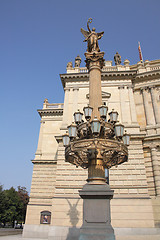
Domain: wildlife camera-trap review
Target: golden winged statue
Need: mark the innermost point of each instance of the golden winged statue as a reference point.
(91, 37)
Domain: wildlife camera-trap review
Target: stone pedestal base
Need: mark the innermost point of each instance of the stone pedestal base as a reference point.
(96, 212)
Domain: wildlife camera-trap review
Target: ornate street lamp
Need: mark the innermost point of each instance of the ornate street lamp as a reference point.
(95, 126)
(113, 116)
(66, 139)
(103, 111)
(78, 117)
(72, 130)
(119, 129)
(96, 145)
(126, 138)
(88, 112)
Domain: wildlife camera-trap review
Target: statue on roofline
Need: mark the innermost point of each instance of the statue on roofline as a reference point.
(91, 37)
(117, 59)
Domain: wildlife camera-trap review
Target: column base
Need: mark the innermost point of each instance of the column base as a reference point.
(96, 212)
(96, 233)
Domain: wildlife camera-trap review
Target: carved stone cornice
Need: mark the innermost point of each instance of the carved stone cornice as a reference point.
(148, 75)
(72, 77)
(50, 112)
(145, 88)
(151, 141)
(147, 85)
(44, 161)
(66, 89)
(59, 138)
(111, 75)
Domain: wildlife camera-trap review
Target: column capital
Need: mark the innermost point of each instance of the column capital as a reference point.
(153, 146)
(66, 88)
(75, 89)
(121, 87)
(94, 60)
(145, 88)
(151, 87)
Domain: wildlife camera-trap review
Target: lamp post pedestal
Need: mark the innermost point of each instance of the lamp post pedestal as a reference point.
(96, 212)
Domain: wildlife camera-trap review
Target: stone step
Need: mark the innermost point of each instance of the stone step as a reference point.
(138, 237)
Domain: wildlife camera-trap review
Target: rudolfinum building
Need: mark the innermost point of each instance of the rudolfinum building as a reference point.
(55, 207)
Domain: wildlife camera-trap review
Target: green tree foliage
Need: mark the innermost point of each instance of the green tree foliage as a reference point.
(13, 205)
(24, 198)
(2, 203)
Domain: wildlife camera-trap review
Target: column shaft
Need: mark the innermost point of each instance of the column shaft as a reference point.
(155, 105)
(156, 170)
(148, 110)
(95, 93)
(65, 109)
(132, 106)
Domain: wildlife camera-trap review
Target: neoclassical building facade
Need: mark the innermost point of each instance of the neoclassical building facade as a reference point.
(55, 208)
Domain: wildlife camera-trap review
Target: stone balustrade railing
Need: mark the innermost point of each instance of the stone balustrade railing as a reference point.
(53, 105)
(141, 67)
(155, 68)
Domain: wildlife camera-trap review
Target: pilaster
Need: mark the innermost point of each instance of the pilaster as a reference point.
(65, 110)
(156, 109)
(156, 168)
(150, 120)
(132, 105)
(122, 104)
(38, 153)
(75, 97)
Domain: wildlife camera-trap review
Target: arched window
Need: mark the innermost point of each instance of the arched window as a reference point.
(45, 217)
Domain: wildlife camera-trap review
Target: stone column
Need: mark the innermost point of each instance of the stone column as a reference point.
(38, 153)
(132, 105)
(94, 63)
(122, 104)
(75, 97)
(148, 110)
(156, 169)
(156, 109)
(65, 109)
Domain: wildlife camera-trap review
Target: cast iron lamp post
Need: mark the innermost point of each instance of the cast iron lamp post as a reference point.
(96, 144)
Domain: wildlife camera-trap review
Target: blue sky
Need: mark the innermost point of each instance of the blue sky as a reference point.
(37, 39)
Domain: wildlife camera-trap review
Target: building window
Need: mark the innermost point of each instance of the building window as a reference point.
(45, 217)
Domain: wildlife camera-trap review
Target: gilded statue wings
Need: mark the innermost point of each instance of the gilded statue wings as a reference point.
(85, 34)
(100, 35)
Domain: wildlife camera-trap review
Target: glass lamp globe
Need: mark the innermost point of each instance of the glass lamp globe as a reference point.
(66, 139)
(113, 116)
(103, 111)
(78, 117)
(88, 112)
(126, 138)
(95, 126)
(119, 129)
(72, 129)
